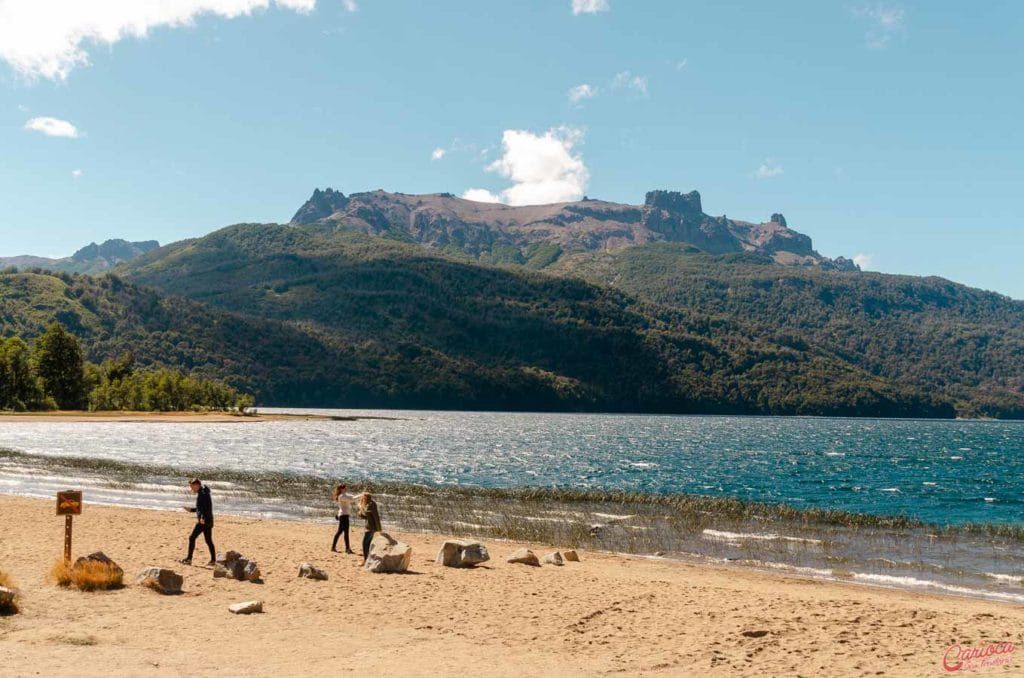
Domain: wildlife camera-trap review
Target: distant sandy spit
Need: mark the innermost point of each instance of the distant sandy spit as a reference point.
(607, 615)
(163, 417)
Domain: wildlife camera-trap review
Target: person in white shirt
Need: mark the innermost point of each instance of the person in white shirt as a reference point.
(344, 501)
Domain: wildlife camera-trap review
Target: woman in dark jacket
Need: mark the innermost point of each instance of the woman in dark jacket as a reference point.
(368, 511)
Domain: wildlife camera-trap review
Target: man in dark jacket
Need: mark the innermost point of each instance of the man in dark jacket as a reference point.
(204, 521)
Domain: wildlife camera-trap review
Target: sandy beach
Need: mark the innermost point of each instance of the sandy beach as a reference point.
(608, 615)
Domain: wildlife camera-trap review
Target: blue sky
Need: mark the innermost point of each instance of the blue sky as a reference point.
(887, 130)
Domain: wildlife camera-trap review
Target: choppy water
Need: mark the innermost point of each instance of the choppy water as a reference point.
(943, 472)
(940, 471)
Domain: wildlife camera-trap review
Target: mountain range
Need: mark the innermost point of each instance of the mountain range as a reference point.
(92, 258)
(390, 300)
(538, 235)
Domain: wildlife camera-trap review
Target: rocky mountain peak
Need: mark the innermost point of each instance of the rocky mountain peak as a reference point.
(674, 201)
(320, 205)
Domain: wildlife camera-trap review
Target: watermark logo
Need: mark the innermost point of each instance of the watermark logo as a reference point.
(966, 658)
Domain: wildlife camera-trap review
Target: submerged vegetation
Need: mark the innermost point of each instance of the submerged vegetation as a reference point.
(53, 374)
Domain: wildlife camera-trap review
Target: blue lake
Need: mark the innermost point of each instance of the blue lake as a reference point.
(948, 472)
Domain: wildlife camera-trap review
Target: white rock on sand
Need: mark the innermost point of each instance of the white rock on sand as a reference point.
(455, 553)
(388, 555)
(554, 558)
(525, 556)
(250, 607)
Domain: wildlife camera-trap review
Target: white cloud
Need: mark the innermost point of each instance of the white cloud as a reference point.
(349, 5)
(680, 65)
(887, 21)
(49, 39)
(580, 92)
(865, 261)
(589, 6)
(480, 195)
(76, 173)
(768, 170)
(542, 168)
(438, 153)
(52, 127)
(627, 80)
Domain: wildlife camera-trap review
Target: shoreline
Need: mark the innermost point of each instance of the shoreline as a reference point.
(70, 416)
(609, 614)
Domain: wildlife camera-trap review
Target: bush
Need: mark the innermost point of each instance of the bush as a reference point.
(87, 575)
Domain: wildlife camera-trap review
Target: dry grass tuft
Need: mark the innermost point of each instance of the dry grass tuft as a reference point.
(87, 575)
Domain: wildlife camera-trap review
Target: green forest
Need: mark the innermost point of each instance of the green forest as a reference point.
(52, 374)
(307, 316)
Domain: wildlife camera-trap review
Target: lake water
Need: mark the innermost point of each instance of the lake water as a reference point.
(941, 472)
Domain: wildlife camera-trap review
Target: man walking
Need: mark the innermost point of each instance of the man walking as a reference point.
(204, 521)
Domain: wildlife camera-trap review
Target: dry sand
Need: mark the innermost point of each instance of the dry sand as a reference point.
(609, 614)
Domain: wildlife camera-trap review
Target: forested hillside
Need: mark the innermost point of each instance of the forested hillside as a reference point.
(928, 332)
(423, 329)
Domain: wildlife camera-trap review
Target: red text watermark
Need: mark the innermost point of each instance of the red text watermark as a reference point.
(966, 658)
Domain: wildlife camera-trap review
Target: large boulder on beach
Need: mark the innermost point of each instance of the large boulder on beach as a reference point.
(248, 607)
(388, 555)
(571, 556)
(554, 558)
(456, 553)
(167, 582)
(525, 557)
(311, 571)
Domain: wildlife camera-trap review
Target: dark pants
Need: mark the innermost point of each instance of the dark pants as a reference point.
(367, 538)
(207, 532)
(342, 530)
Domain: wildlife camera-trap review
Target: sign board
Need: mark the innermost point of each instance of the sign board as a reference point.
(69, 503)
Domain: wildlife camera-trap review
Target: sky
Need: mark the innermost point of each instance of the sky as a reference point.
(886, 131)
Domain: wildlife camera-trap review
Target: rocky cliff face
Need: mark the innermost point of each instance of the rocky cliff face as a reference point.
(502, 233)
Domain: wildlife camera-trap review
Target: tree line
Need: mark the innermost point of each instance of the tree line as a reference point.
(52, 374)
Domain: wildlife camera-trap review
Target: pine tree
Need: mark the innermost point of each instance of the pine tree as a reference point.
(57, 355)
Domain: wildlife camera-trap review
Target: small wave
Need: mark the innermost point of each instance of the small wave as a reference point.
(956, 457)
(1007, 578)
(722, 535)
(643, 464)
(889, 489)
(990, 499)
(835, 454)
(915, 583)
(930, 484)
(613, 517)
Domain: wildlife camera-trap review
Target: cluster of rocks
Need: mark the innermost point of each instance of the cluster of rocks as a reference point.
(455, 553)
(235, 566)
(528, 557)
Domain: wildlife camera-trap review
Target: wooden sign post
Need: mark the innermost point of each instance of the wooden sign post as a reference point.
(69, 505)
